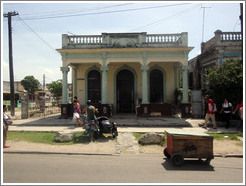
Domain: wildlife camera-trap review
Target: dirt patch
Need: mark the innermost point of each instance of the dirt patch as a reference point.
(93, 147)
(228, 147)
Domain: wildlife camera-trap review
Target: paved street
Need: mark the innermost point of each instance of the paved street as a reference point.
(36, 168)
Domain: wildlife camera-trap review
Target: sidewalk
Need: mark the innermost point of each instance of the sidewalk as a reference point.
(124, 123)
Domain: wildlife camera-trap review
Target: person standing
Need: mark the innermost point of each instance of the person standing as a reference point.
(91, 111)
(226, 112)
(7, 120)
(210, 114)
(84, 114)
(240, 112)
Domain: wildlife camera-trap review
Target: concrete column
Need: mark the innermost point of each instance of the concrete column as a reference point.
(145, 90)
(64, 70)
(185, 84)
(24, 106)
(104, 70)
(74, 81)
(176, 67)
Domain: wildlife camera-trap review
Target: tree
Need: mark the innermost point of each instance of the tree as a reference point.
(226, 81)
(56, 89)
(30, 84)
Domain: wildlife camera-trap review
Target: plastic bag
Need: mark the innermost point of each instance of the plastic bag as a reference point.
(75, 115)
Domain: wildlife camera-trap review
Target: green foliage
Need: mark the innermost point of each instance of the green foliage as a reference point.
(44, 137)
(30, 84)
(138, 135)
(222, 136)
(226, 81)
(56, 88)
(178, 95)
(33, 137)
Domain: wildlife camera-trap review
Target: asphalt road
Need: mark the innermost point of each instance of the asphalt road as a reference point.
(150, 168)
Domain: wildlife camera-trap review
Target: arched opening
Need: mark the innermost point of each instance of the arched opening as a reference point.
(94, 86)
(156, 86)
(125, 91)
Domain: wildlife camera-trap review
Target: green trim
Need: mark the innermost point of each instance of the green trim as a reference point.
(176, 67)
(75, 82)
(124, 55)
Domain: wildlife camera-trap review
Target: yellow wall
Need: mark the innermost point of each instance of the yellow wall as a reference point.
(113, 69)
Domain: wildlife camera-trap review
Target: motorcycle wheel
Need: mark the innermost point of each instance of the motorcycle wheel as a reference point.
(115, 133)
(92, 135)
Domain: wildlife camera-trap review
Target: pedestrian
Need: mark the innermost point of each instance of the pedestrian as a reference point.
(226, 112)
(77, 112)
(7, 120)
(84, 114)
(239, 108)
(91, 111)
(210, 114)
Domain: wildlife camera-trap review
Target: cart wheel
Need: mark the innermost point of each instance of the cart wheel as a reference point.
(207, 161)
(165, 153)
(177, 159)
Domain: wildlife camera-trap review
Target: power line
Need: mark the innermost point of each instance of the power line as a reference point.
(75, 10)
(167, 18)
(37, 34)
(96, 13)
(236, 25)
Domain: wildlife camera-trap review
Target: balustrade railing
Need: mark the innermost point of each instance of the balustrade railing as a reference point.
(142, 39)
(89, 39)
(222, 38)
(230, 36)
(163, 38)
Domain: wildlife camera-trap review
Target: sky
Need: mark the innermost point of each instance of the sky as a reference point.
(37, 30)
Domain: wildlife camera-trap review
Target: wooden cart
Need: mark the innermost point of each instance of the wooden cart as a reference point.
(184, 144)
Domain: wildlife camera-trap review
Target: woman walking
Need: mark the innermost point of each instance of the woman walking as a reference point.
(226, 112)
(77, 113)
(6, 122)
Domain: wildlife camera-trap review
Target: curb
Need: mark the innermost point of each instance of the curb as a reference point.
(234, 155)
(102, 154)
(62, 153)
(229, 155)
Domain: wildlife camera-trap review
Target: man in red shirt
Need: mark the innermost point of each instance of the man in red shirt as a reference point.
(210, 113)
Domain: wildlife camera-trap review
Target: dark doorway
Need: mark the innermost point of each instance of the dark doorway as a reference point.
(94, 86)
(125, 91)
(156, 86)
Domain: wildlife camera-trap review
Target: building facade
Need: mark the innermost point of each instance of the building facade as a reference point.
(125, 70)
(222, 47)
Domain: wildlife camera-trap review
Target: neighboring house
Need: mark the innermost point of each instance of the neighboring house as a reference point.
(18, 89)
(223, 46)
(121, 71)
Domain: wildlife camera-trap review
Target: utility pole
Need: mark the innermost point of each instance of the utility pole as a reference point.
(203, 21)
(11, 71)
(44, 93)
(43, 82)
(241, 19)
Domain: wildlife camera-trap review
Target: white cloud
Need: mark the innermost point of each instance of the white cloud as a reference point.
(5, 66)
